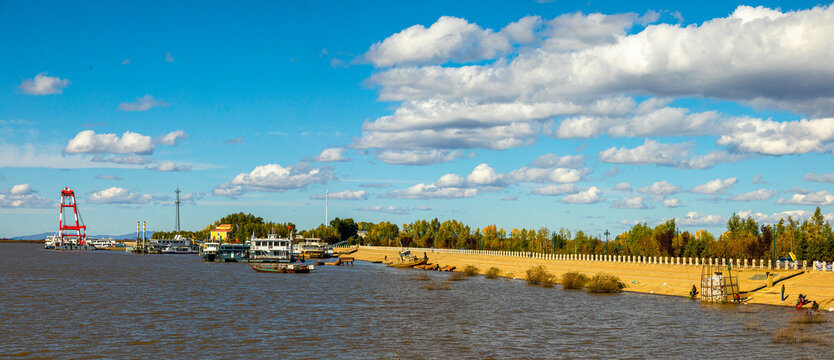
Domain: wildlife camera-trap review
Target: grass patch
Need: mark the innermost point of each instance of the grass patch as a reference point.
(492, 272)
(419, 277)
(457, 276)
(605, 283)
(470, 270)
(806, 318)
(795, 335)
(538, 275)
(573, 280)
(439, 286)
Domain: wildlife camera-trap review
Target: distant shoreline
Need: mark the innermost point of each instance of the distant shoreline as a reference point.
(12, 241)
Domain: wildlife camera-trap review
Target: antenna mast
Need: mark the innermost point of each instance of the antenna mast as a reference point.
(177, 224)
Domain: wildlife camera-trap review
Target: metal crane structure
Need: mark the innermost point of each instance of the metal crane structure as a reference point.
(72, 233)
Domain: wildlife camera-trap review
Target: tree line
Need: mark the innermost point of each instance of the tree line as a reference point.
(811, 239)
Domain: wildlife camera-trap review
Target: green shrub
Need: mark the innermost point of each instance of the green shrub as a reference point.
(573, 280)
(457, 276)
(538, 275)
(492, 272)
(605, 283)
(470, 270)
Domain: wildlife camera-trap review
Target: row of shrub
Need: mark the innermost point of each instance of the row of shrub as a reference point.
(538, 275)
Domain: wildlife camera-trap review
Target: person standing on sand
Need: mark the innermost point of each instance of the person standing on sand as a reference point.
(783, 292)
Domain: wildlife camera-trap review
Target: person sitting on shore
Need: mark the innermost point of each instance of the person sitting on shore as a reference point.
(693, 292)
(801, 301)
(815, 306)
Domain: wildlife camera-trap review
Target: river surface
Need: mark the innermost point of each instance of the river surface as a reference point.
(87, 304)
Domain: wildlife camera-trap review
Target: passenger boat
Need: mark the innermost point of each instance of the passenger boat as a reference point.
(298, 268)
(209, 251)
(177, 245)
(102, 244)
(407, 259)
(233, 252)
(270, 249)
(314, 248)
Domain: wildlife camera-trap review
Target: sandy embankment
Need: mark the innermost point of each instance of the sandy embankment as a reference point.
(674, 280)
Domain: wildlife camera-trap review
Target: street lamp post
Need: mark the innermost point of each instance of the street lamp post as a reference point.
(606, 241)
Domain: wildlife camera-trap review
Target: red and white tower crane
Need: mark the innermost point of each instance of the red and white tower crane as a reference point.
(66, 230)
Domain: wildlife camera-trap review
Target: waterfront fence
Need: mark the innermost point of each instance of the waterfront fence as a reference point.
(634, 259)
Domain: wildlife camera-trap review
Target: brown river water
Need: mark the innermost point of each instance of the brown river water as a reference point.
(86, 304)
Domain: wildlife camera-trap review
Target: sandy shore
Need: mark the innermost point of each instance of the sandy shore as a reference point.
(674, 280)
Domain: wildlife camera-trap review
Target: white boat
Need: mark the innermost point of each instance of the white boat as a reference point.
(209, 251)
(314, 248)
(270, 249)
(102, 244)
(177, 245)
(51, 241)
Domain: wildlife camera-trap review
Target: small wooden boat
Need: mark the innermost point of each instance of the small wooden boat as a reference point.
(283, 268)
(407, 260)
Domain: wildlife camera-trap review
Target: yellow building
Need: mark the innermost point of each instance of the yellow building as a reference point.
(221, 233)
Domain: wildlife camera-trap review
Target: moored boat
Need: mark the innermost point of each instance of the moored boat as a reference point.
(296, 268)
(209, 251)
(230, 252)
(407, 259)
(270, 249)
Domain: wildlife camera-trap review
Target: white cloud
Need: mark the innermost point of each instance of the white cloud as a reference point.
(391, 209)
(171, 138)
(675, 155)
(824, 178)
(556, 161)
(108, 177)
(523, 30)
(130, 159)
(169, 166)
(431, 191)
(417, 157)
(672, 203)
(556, 189)
(770, 137)
(482, 174)
(539, 175)
(275, 178)
(331, 155)
(22, 196)
(761, 194)
(448, 39)
(142, 104)
(775, 217)
(716, 186)
(634, 202)
(43, 85)
(758, 179)
(590, 196)
(660, 188)
(623, 186)
(695, 219)
(88, 142)
(344, 195)
(819, 198)
(119, 195)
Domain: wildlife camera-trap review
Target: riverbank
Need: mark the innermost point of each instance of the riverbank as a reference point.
(673, 280)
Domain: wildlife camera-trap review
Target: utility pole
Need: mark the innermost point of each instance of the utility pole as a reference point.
(326, 200)
(678, 243)
(177, 224)
(606, 241)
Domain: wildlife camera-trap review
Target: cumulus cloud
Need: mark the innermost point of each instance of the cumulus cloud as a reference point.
(43, 85)
(674, 155)
(144, 103)
(331, 155)
(819, 198)
(22, 196)
(344, 195)
(88, 142)
(776, 217)
(448, 39)
(623, 186)
(275, 178)
(431, 191)
(171, 138)
(672, 203)
(552, 190)
(119, 195)
(592, 195)
(167, 166)
(556, 161)
(417, 157)
(695, 219)
(661, 189)
(634, 202)
(824, 178)
(717, 186)
(391, 209)
(761, 194)
(580, 72)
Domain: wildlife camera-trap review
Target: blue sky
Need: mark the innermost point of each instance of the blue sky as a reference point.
(584, 115)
